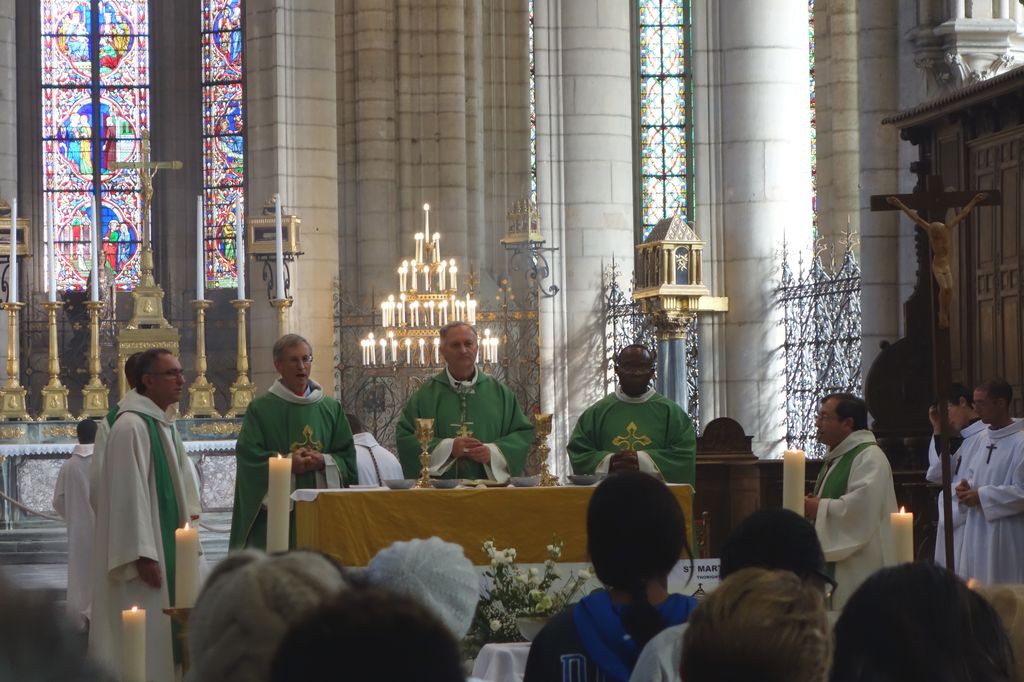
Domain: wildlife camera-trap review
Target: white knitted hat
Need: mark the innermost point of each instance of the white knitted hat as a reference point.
(246, 607)
(435, 572)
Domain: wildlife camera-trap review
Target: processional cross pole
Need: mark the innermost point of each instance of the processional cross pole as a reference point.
(940, 239)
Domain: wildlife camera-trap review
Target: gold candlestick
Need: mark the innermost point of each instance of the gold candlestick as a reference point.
(242, 391)
(12, 394)
(542, 424)
(282, 305)
(55, 395)
(424, 434)
(201, 392)
(94, 394)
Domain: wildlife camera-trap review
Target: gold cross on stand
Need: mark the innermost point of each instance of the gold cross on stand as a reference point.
(631, 439)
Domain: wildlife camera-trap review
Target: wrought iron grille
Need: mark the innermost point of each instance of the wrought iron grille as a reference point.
(624, 324)
(823, 337)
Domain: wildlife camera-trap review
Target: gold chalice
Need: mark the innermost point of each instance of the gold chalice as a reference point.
(424, 434)
(542, 426)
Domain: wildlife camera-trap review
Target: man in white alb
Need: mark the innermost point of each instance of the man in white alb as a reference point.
(375, 464)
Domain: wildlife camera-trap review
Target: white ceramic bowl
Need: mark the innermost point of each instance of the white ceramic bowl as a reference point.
(585, 479)
(445, 483)
(525, 481)
(400, 483)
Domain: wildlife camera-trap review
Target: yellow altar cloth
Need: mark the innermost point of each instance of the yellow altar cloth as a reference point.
(353, 525)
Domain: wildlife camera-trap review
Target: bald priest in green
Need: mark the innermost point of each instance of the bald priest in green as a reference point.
(479, 430)
(294, 418)
(635, 428)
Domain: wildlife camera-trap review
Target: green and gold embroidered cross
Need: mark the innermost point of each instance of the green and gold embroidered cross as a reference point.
(464, 430)
(631, 440)
(307, 433)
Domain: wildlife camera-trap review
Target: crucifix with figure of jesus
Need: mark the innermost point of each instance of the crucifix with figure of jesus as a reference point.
(934, 200)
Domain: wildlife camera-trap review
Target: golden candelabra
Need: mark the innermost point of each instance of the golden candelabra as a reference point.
(201, 392)
(55, 395)
(243, 390)
(12, 393)
(94, 393)
(424, 434)
(282, 305)
(542, 426)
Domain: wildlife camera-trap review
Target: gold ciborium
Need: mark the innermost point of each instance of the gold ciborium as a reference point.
(542, 427)
(424, 434)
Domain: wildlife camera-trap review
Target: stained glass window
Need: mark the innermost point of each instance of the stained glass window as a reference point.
(664, 43)
(223, 142)
(95, 105)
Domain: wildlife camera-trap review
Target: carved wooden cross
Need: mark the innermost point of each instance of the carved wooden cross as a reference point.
(147, 169)
(934, 202)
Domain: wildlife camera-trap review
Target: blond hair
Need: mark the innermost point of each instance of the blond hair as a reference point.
(759, 626)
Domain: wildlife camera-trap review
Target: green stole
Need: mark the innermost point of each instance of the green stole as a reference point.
(167, 507)
(112, 414)
(836, 485)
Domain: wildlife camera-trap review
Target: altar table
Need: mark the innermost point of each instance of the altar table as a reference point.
(352, 525)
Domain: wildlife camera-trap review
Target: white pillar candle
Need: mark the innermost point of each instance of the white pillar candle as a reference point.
(794, 467)
(452, 269)
(371, 345)
(383, 351)
(423, 359)
(384, 314)
(471, 309)
(51, 255)
(279, 489)
(200, 256)
(401, 309)
(362, 350)
(440, 275)
(430, 309)
(426, 277)
(97, 236)
(240, 247)
(408, 349)
(902, 529)
(443, 305)
(426, 222)
(394, 351)
(437, 349)
(186, 566)
(133, 645)
(279, 246)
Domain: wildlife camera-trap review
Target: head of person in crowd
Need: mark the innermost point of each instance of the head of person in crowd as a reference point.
(459, 348)
(246, 607)
(1008, 601)
(293, 360)
(992, 401)
(919, 622)
(636, 532)
(777, 539)
(758, 625)
(960, 407)
(434, 572)
(839, 415)
(38, 643)
(634, 368)
(159, 377)
(86, 430)
(131, 369)
(369, 634)
(355, 423)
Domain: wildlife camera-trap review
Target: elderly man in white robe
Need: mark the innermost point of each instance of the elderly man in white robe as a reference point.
(147, 489)
(853, 496)
(991, 492)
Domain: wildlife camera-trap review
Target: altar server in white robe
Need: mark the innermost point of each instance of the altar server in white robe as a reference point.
(71, 502)
(966, 427)
(103, 431)
(853, 496)
(991, 492)
(374, 462)
(146, 491)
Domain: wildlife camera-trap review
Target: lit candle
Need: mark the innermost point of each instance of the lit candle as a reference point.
(362, 348)
(430, 308)
(279, 246)
(394, 351)
(414, 312)
(279, 487)
(51, 256)
(383, 351)
(471, 309)
(414, 268)
(452, 283)
(423, 359)
(401, 309)
(200, 279)
(12, 271)
(371, 344)
(443, 305)
(97, 236)
(402, 271)
(437, 348)
(902, 528)
(440, 275)
(133, 645)
(426, 222)
(419, 253)
(426, 277)
(437, 247)
(186, 566)
(240, 247)
(794, 466)
(384, 314)
(408, 349)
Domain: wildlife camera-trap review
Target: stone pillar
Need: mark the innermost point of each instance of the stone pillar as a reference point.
(8, 123)
(756, 193)
(585, 190)
(292, 136)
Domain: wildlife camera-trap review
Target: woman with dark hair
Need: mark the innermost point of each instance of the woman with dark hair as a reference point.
(920, 623)
(636, 533)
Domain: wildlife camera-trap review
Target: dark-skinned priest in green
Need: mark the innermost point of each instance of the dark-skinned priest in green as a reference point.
(479, 430)
(635, 428)
(296, 419)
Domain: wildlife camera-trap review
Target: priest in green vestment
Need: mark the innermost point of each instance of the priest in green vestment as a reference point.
(479, 430)
(294, 419)
(635, 428)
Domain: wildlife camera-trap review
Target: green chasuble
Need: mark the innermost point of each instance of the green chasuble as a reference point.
(492, 417)
(274, 424)
(656, 426)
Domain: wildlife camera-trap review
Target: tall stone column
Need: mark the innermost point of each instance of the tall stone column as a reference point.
(585, 190)
(753, 152)
(8, 118)
(293, 150)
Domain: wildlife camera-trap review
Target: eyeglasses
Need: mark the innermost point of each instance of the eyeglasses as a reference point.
(174, 373)
(304, 360)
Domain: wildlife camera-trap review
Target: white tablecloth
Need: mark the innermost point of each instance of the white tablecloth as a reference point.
(502, 662)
